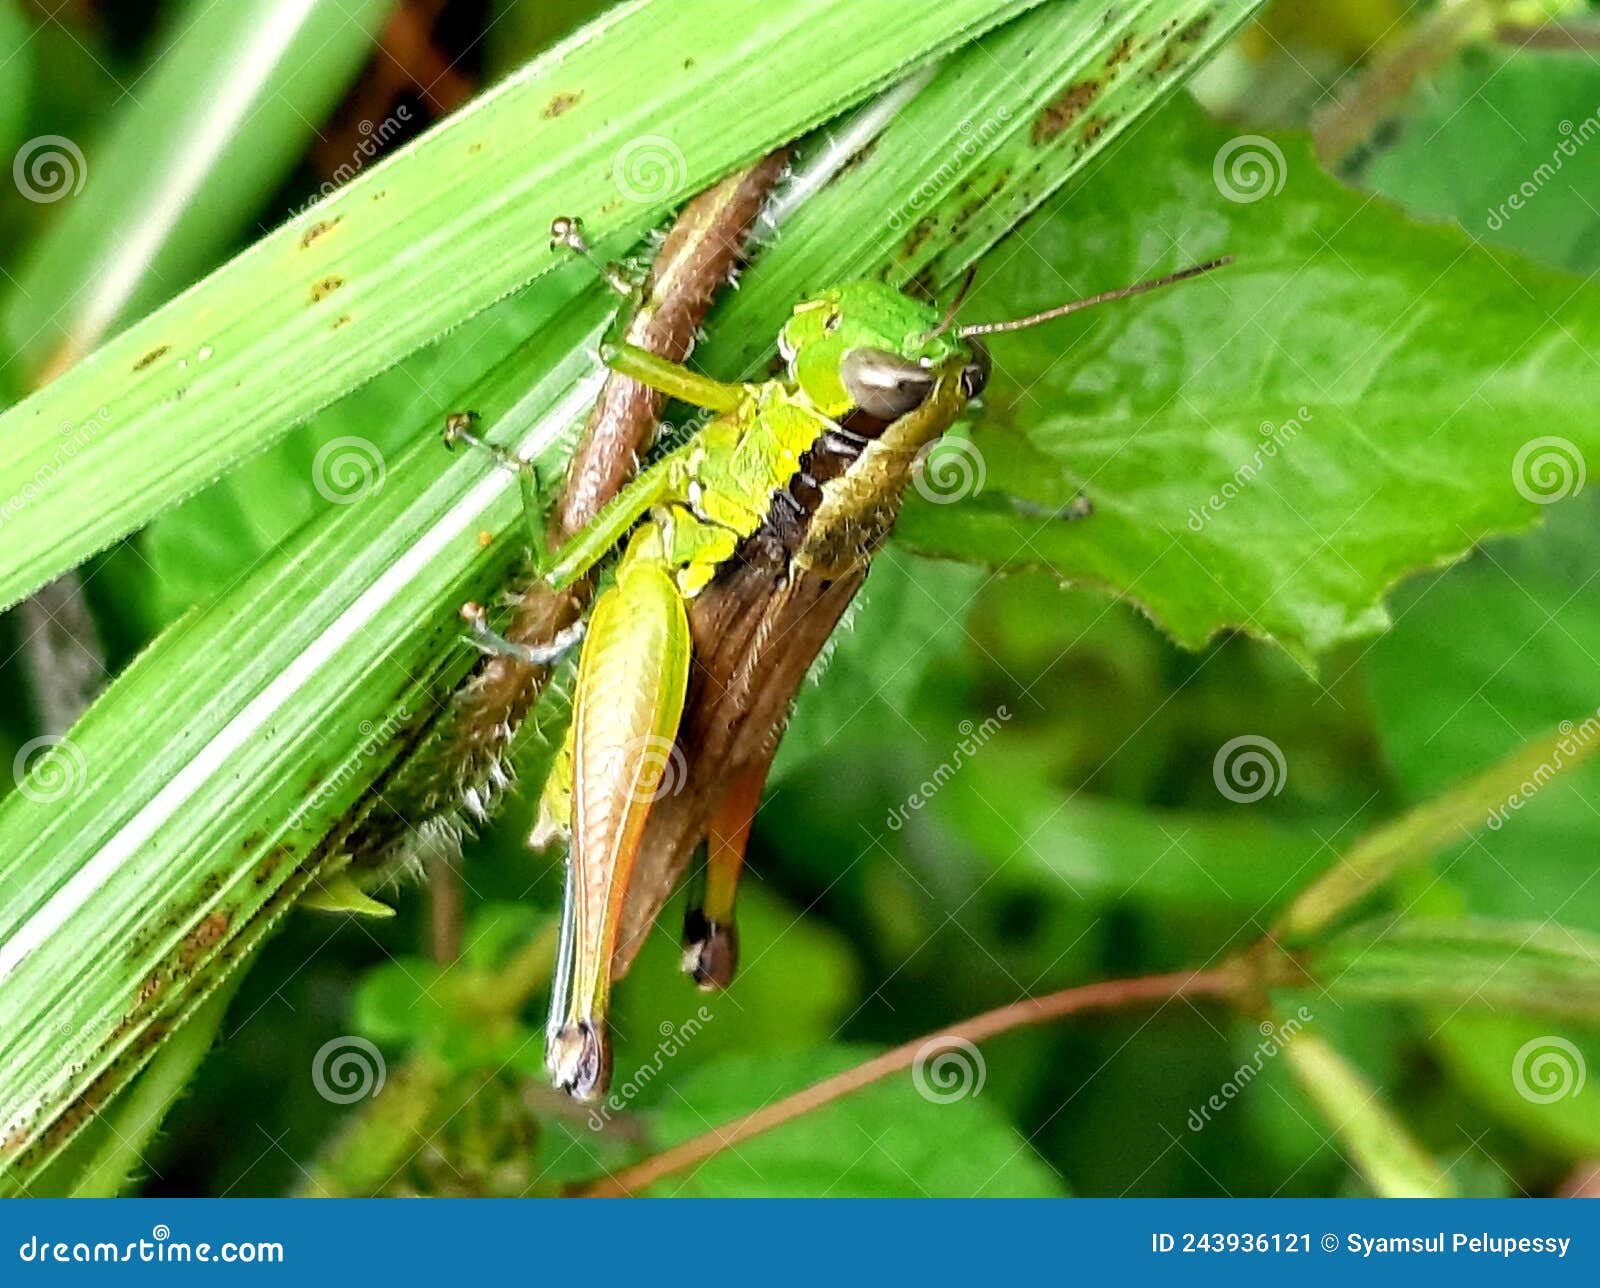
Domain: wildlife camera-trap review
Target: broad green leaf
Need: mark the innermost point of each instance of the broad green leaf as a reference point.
(1376, 1142)
(763, 1011)
(1535, 1074)
(1099, 851)
(1494, 649)
(1496, 140)
(430, 237)
(1482, 657)
(1272, 447)
(889, 1140)
(1529, 967)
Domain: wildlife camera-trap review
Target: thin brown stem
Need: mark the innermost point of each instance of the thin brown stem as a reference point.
(1583, 1182)
(1108, 995)
(445, 908)
(1575, 37)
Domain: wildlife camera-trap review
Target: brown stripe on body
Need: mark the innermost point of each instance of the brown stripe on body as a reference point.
(790, 509)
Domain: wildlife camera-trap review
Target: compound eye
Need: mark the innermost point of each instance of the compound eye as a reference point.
(975, 375)
(883, 384)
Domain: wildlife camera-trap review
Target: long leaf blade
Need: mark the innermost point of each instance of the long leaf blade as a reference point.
(427, 239)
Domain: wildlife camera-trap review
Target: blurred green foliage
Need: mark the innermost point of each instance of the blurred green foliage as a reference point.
(1086, 837)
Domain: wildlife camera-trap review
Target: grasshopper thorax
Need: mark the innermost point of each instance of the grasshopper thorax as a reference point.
(866, 346)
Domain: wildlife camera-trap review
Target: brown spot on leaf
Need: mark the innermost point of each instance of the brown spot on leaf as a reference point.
(204, 937)
(151, 988)
(1063, 110)
(914, 239)
(155, 355)
(342, 320)
(559, 104)
(1119, 55)
(318, 229)
(325, 286)
(269, 865)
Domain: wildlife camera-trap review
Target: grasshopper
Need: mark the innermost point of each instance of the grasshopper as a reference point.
(811, 465)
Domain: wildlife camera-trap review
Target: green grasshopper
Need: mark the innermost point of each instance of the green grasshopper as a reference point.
(818, 461)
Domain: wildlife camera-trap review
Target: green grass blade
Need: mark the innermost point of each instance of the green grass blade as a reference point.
(425, 240)
(1407, 842)
(1526, 968)
(984, 147)
(223, 115)
(164, 837)
(1373, 1138)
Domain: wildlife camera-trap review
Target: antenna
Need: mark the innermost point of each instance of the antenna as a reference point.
(1105, 297)
(950, 313)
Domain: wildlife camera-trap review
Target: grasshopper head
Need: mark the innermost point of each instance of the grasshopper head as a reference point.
(864, 345)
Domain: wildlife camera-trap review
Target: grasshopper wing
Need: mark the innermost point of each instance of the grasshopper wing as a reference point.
(631, 683)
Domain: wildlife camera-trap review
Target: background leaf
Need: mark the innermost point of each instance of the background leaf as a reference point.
(886, 1141)
(1272, 447)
